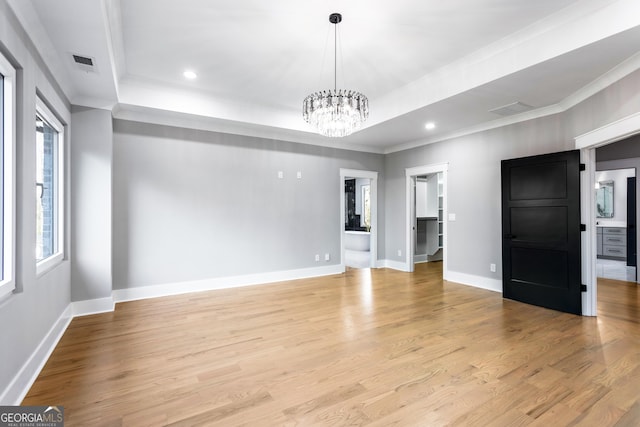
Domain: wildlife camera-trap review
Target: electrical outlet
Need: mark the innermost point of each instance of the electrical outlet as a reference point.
(299, 174)
(280, 174)
(327, 257)
(452, 217)
(399, 252)
(492, 267)
(317, 257)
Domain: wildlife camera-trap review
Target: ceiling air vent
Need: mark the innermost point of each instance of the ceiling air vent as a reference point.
(84, 63)
(511, 109)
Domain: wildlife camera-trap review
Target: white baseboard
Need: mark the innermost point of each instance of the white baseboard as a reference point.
(475, 281)
(451, 276)
(395, 265)
(420, 258)
(92, 306)
(424, 261)
(24, 379)
(177, 288)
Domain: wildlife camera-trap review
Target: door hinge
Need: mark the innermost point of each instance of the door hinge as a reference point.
(583, 167)
(583, 288)
(583, 227)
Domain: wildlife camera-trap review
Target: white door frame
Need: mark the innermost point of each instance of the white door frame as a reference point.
(411, 174)
(373, 236)
(587, 144)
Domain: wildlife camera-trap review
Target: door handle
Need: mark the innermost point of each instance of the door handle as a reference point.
(509, 236)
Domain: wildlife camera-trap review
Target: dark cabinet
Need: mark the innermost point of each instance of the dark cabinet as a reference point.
(351, 219)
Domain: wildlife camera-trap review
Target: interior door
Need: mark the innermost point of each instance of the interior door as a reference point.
(541, 231)
(631, 223)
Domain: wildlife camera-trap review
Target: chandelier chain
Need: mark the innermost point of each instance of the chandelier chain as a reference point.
(335, 19)
(335, 113)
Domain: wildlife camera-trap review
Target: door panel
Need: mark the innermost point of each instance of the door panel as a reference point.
(553, 274)
(538, 181)
(539, 224)
(541, 230)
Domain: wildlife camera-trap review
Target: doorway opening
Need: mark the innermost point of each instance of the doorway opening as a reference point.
(429, 224)
(615, 220)
(426, 224)
(616, 195)
(587, 143)
(358, 218)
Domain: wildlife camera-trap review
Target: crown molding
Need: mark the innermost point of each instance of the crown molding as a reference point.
(193, 121)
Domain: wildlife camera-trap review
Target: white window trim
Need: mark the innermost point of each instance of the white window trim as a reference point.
(362, 216)
(56, 258)
(7, 284)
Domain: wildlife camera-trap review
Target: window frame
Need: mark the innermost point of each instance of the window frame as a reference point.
(57, 257)
(363, 190)
(8, 196)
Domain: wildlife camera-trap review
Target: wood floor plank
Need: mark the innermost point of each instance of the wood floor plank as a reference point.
(368, 347)
(619, 300)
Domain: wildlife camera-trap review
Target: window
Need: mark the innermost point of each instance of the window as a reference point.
(7, 176)
(49, 189)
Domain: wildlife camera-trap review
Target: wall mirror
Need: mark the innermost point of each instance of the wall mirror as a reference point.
(604, 199)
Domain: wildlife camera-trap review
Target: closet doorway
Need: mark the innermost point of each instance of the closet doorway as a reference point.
(426, 233)
(429, 221)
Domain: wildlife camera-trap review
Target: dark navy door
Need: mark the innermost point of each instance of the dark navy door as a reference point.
(632, 236)
(541, 231)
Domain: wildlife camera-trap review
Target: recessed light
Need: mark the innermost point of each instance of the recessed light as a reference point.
(430, 126)
(189, 75)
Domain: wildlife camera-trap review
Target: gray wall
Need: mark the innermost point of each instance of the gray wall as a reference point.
(474, 239)
(91, 152)
(473, 188)
(617, 101)
(190, 204)
(625, 149)
(27, 315)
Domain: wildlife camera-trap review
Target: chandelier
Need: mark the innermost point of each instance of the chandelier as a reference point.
(335, 113)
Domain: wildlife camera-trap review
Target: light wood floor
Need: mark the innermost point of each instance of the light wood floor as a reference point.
(379, 348)
(619, 300)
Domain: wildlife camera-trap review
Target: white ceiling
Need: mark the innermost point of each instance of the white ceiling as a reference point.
(417, 60)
